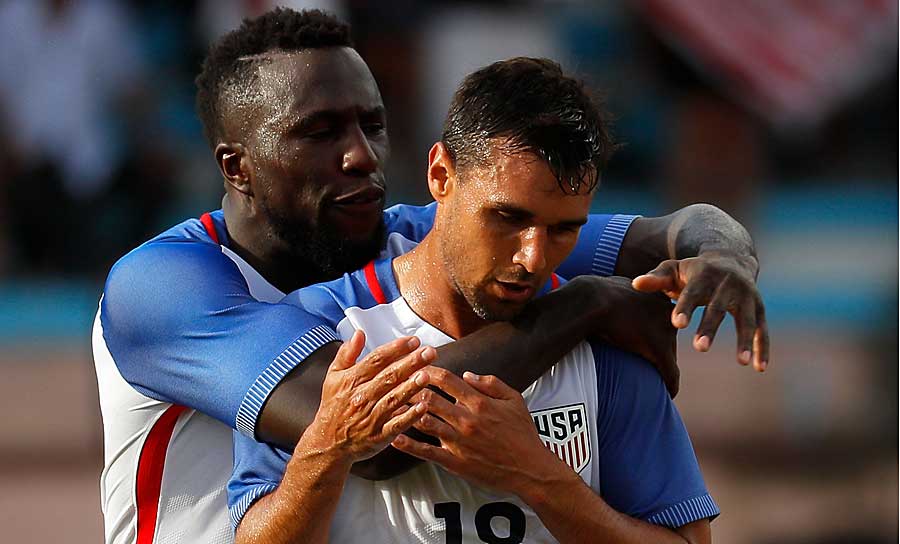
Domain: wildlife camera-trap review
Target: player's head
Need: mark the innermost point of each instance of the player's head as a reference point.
(521, 153)
(297, 125)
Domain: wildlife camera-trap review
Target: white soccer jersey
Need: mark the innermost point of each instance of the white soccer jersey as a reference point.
(604, 412)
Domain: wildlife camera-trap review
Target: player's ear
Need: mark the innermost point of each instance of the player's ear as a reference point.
(233, 162)
(441, 172)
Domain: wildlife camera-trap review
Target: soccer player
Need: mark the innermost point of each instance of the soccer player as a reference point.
(191, 340)
(602, 456)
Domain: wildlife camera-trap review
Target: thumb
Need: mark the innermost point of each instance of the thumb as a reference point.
(349, 352)
(661, 278)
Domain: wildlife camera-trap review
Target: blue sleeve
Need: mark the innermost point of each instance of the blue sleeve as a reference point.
(182, 327)
(648, 469)
(258, 469)
(412, 222)
(598, 246)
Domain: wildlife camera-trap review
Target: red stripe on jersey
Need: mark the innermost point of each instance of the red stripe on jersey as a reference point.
(151, 463)
(374, 286)
(554, 281)
(576, 453)
(210, 227)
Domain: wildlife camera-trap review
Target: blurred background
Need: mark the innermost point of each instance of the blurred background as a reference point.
(782, 112)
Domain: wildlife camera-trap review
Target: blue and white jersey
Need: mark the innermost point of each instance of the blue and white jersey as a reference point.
(604, 412)
(188, 343)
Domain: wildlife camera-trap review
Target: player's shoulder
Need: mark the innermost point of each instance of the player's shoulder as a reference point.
(618, 369)
(183, 257)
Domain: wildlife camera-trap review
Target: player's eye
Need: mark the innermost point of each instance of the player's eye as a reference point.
(563, 230)
(325, 133)
(373, 129)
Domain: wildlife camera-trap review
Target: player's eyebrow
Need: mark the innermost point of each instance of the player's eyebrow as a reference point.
(523, 214)
(307, 120)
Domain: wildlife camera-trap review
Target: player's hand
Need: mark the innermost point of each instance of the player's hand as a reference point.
(365, 403)
(637, 322)
(724, 284)
(486, 437)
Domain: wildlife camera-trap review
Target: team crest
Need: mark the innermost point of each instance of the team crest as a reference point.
(564, 431)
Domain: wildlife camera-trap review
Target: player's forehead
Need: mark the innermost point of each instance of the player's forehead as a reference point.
(295, 83)
(525, 182)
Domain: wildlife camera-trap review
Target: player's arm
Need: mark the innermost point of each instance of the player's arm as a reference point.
(275, 500)
(518, 351)
(573, 513)
(701, 256)
(178, 323)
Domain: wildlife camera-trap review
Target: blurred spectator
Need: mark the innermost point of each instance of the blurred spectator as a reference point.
(66, 71)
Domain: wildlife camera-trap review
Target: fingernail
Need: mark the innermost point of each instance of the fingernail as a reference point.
(745, 357)
(763, 365)
(420, 378)
(703, 343)
(429, 354)
(681, 321)
(471, 376)
(400, 439)
(413, 343)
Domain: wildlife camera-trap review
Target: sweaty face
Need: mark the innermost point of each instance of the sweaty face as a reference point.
(509, 226)
(318, 142)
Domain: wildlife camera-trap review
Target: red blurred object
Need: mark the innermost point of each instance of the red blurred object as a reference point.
(790, 61)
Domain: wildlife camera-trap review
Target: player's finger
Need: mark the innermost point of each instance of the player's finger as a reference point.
(745, 324)
(349, 352)
(663, 278)
(695, 293)
(761, 340)
(401, 422)
(490, 385)
(438, 405)
(450, 383)
(388, 404)
(385, 354)
(423, 451)
(713, 315)
(398, 371)
(436, 427)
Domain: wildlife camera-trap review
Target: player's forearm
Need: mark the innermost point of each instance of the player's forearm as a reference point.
(302, 507)
(688, 232)
(573, 513)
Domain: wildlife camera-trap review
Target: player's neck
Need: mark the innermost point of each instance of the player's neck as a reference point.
(252, 240)
(426, 287)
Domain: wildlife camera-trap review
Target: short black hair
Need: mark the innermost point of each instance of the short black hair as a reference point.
(281, 29)
(534, 108)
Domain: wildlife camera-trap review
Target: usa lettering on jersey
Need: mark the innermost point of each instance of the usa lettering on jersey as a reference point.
(564, 431)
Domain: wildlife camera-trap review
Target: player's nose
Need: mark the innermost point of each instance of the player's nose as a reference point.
(532, 250)
(359, 158)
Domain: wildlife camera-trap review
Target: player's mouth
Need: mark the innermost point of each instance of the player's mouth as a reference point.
(361, 200)
(515, 291)
(356, 212)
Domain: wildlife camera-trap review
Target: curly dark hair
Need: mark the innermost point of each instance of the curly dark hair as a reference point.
(536, 109)
(229, 64)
